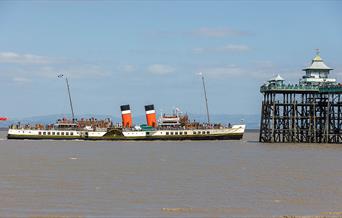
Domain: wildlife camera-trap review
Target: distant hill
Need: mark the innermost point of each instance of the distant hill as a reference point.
(252, 121)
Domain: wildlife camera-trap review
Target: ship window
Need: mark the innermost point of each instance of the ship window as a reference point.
(208, 132)
(176, 133)
(57, 133)
(167, 133)
(194, 132)
(203, 132)
(44, 133)
(49, 133)
(171, 133)
(71, 133)
(147, 133)
(67, 133)
(180, 133)
(39, 133)
(53, 133)
(185, 133)
(62, 133)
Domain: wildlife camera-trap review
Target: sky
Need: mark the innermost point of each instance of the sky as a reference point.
(151, 52)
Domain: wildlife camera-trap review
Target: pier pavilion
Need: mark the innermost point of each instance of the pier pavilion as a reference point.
(307, 112)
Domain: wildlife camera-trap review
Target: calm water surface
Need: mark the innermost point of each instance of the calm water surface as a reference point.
(168, 179)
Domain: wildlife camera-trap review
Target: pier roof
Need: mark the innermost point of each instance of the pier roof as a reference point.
(317, 63)
(277, 78)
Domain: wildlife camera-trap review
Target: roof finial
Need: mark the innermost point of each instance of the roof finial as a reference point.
(317, 51)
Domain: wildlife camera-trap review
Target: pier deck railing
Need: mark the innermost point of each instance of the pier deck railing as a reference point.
(300, 88)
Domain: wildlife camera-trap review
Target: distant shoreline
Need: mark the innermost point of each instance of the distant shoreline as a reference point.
(252, 130)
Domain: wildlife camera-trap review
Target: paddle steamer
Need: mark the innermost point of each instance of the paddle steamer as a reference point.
(168, 127)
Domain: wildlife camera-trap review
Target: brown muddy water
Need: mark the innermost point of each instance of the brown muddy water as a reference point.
(169, 179)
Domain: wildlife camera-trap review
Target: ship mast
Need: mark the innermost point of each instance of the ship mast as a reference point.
(205, 98)
(70, 101)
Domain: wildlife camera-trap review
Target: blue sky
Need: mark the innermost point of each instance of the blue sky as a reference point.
(142, 52)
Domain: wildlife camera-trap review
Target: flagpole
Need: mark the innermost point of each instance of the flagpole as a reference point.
(205, 97)
(70, 101)
(72, 109)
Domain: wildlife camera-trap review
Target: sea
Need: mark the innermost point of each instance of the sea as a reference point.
(238, 178)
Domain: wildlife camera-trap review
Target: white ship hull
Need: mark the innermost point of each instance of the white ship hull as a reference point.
(235, 132)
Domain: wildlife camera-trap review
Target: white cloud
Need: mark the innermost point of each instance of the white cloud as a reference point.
(24, 67)
(220, 71)
(79, 71)
(218, 32)
(21, 80)
(15, 58)
(225, 48)
(208, 32)
(127, 68)
(25, 74)
(247, 72)
(160, 69)
(232, 47)
(264, 63)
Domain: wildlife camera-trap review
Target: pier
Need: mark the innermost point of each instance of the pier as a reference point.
(307, 112)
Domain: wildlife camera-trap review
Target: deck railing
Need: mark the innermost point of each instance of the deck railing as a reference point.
(299, 88)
